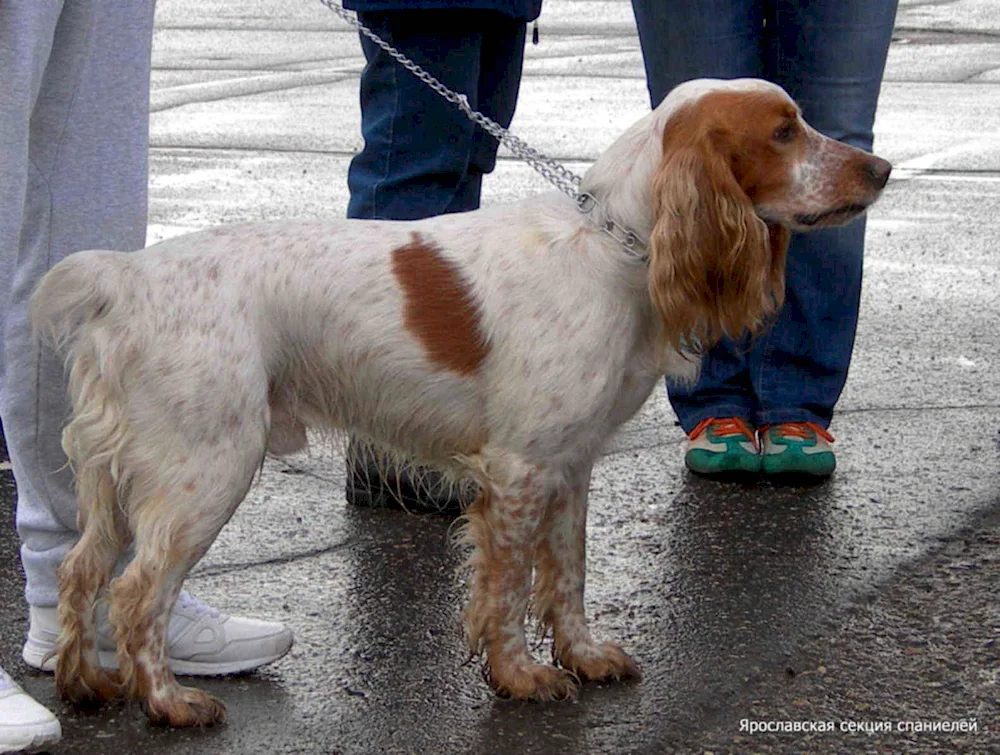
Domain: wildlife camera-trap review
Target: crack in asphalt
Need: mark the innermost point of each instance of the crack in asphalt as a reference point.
(245, 86)
(219, 569)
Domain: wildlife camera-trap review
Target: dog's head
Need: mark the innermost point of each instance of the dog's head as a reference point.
(740, 169)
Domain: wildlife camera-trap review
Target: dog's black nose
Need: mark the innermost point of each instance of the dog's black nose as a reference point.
(877, 170)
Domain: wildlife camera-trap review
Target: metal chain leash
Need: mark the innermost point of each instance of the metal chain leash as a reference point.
(556, 174)
(563, 179)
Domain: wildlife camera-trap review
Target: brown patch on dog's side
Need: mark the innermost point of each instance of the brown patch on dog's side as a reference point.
(438, 308)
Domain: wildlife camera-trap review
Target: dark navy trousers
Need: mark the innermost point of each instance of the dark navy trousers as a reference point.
(422, 156)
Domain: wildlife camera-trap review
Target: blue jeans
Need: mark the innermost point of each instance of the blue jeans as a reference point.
(829, 55)
(422, 156)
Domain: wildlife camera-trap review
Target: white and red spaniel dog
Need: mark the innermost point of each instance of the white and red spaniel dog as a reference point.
(505, 345)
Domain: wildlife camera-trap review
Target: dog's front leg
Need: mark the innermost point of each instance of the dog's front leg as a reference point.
(560, 570)
(503, 528)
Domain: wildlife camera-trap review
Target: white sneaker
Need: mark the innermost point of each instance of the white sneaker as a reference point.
(24, 723)
(200, 640)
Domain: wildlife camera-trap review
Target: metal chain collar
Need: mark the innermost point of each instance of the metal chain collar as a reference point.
(558, 175)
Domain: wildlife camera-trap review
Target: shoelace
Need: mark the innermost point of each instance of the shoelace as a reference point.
(188, 602)
(6, 682)
(801, 430)
(724, 427)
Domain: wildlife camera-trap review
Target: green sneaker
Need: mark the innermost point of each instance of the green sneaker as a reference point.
(721, 446)
(801, 448)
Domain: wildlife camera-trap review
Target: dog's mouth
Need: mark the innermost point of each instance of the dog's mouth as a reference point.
(836, 216)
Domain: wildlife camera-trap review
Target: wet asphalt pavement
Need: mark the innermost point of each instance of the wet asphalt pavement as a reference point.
(868, 601)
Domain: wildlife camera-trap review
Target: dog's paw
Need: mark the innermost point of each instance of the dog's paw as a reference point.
(88, 687)
(80, 680)
(599, 662)
(533, 681)
(186, 707)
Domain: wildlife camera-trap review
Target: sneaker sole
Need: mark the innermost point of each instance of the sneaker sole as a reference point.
(745, 466)
(38, 657)
(798, 471)
(46, 734)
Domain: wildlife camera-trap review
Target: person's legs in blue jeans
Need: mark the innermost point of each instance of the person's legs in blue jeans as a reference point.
(829, 56)
(501, 60)
(693, 39)
(422, 156)
(684, 40)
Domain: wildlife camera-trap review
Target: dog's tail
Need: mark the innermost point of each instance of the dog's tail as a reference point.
(82, 309)
(78, 291)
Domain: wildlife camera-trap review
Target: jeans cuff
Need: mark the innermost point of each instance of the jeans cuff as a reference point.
(791, 414)
(690, 420)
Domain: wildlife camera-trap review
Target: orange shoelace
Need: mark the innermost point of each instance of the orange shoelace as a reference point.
(802, 430)
(723, 427)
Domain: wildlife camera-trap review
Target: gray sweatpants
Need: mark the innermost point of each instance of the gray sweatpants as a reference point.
(74, 125)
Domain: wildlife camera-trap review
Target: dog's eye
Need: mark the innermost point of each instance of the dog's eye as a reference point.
(785, 133)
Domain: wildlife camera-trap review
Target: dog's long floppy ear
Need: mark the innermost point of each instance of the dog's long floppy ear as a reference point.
(715, 267)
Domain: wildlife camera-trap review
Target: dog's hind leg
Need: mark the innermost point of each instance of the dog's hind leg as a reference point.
(83, 576)
(173, 528)
(560, 570)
